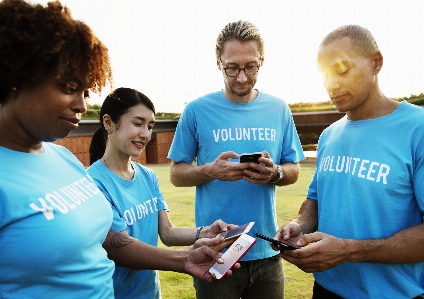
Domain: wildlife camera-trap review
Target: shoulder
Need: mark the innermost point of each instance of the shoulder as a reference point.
(60, 151)
(408, 108)
(271, 97)
(55, 148)
(98, 171)
(205, 99)
(275, 101)
(335, 126)
(144, 170)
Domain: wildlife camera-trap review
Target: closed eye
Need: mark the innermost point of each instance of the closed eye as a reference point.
(70, 89)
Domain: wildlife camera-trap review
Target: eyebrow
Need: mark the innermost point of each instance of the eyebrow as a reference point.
(143, 119)
(235, 63)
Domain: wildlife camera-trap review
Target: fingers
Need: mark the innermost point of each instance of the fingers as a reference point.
(216, 228)
(211, 254)
(289, 231)
(223, 227)
(260, 173)
(209, 242)
(228, 155)
(230, 272)
(310, 238)
(322, 253)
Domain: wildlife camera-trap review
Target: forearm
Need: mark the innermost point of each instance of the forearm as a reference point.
(406, 246)
(307, 219)
(178, 236)
(290, 174)
(185, 175)
(128, 252)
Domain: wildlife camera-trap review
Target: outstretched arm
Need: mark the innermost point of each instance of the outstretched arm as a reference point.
(171, 235)
(131, 253)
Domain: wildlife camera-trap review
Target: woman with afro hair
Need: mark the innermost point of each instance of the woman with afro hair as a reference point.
(56, 239)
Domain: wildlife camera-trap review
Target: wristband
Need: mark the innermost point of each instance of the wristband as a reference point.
(198, 232)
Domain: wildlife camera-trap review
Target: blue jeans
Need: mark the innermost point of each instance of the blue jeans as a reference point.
(256, 279)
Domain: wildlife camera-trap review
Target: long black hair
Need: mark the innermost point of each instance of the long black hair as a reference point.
(116, 104)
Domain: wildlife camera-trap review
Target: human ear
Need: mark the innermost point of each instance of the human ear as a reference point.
(107, 123)
(377, 59)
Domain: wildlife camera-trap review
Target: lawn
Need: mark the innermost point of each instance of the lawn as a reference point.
(181, 202)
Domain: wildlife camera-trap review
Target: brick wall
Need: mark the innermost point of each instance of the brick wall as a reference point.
(157, 149)
(80, 147)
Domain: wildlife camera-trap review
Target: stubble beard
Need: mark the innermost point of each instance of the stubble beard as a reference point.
(241, 93)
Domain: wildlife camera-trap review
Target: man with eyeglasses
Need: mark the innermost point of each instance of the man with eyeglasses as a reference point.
(214, 130)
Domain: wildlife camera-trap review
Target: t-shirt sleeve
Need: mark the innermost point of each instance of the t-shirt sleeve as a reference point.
(185, 143)
(292, 148)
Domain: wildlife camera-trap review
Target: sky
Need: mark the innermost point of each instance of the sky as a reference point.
(166, 49)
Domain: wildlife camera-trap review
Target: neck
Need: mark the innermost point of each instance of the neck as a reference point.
(118, 165)
(377, 105)
(240, 99)
(15, 137)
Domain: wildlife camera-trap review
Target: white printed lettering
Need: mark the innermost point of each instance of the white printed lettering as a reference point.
(128, 217)
(366, 169)
(61, 200)
(371, 170)
(383, 173)
(46, 210)
(339, 166)
(362, 168)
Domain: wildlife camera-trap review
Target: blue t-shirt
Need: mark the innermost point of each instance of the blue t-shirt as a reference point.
(369, 184)
(53, 221)
(135, 205)
(211, 125)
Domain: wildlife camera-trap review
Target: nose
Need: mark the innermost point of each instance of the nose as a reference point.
(79, 105)
(241, 77)
(145, 132)
(331, 83)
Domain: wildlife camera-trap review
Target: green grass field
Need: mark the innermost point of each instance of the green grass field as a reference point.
(181, 202)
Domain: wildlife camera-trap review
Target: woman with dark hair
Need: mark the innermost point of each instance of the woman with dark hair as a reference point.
(55, 224)
(139, 209)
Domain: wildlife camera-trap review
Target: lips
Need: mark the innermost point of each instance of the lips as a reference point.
(337, 97)
(71, 123)
(139, 144)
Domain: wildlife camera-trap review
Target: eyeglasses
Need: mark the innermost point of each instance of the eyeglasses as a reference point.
(235, 71)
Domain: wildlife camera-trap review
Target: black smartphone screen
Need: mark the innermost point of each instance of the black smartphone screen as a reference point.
(253, 157)
(237, 231)
(281, 244)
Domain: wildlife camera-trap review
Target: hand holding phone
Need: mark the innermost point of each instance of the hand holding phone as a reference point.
(234, 253)
(237, 231)
(282, 245)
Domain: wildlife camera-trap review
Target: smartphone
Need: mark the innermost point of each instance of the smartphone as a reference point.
(233, 254)
(250, 157)
(237, 231)
(282, 245)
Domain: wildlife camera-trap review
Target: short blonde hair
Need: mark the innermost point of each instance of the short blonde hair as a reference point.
(242, 31)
